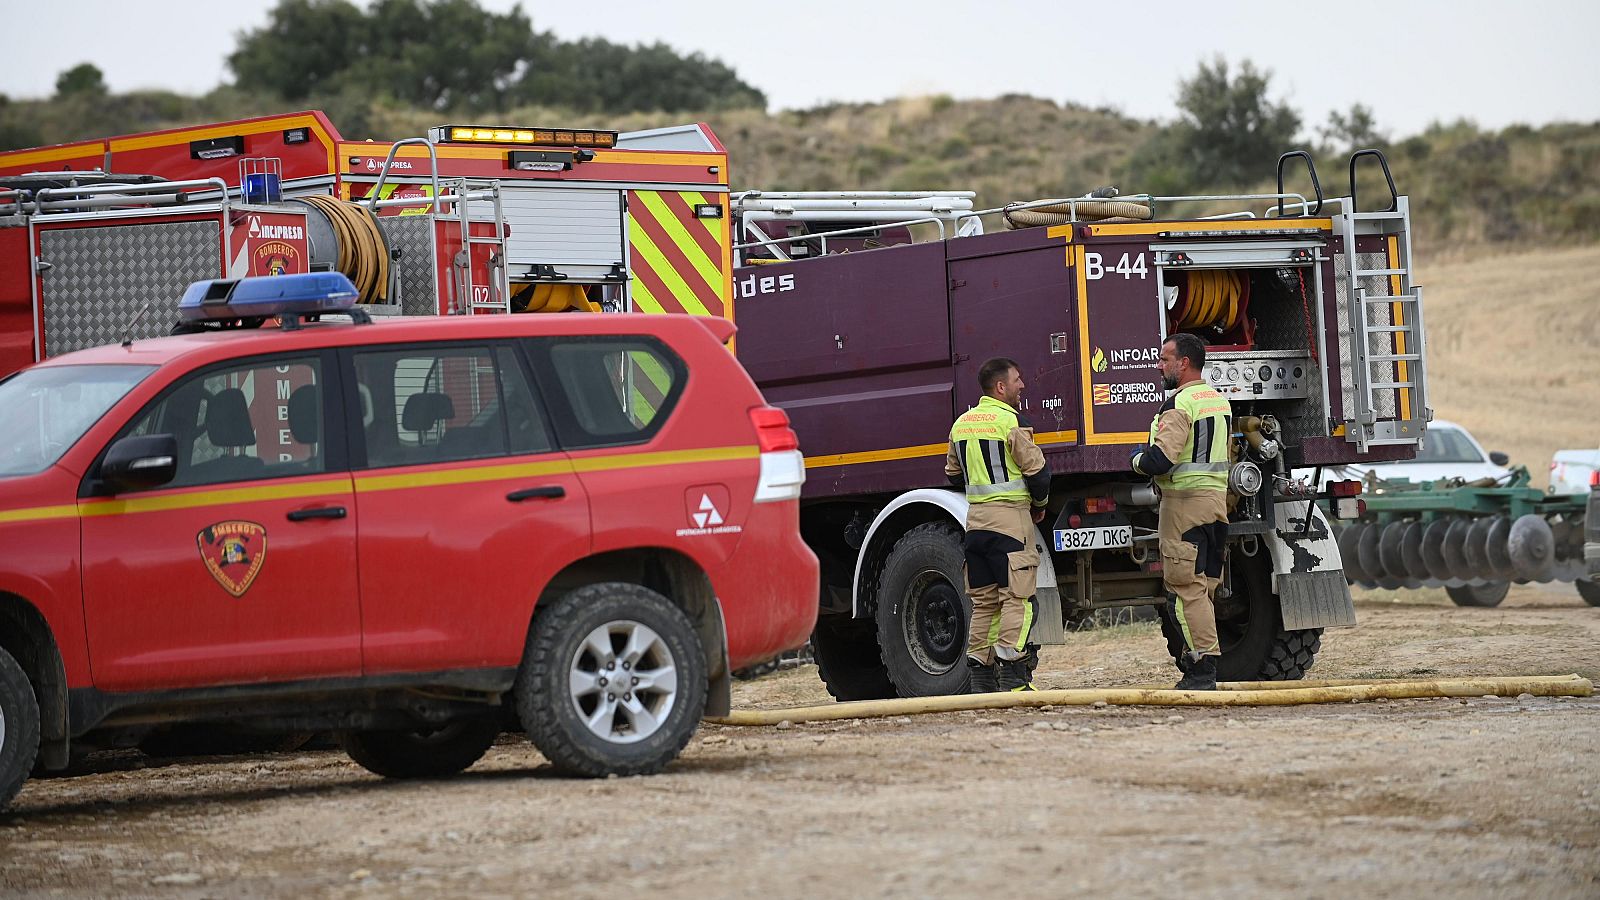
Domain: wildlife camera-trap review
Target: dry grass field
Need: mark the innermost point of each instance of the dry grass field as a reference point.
(1514, 348)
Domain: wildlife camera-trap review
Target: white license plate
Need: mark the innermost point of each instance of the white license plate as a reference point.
(1094, 538)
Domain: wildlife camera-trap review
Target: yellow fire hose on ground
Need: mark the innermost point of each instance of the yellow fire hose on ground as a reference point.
(1241, 693)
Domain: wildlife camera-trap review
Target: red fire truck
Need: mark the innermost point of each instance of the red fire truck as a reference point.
(467, 220)
(864, 315)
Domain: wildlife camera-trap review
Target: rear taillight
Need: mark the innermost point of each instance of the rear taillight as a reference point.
(773, 434)
(1344, 488)
(783, 469)
(1095, 505)
(1594, 478)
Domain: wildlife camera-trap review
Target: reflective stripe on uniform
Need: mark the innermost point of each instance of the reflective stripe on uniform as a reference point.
(1027, 624)
(979, 438)
(1181, 468)
(1203, 461)
(989, 490)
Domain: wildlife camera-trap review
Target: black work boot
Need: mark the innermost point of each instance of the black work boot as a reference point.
(1030, 655)
(1201, 675)
(1016, 675)
(980, 677)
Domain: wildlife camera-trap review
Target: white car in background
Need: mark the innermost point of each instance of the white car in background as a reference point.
(1574, 471)
(1447, 451)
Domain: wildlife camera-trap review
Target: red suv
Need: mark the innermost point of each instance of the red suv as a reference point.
(411, 532)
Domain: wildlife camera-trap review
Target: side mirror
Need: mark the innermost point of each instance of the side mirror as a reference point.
(145, 461)
(1498, 458)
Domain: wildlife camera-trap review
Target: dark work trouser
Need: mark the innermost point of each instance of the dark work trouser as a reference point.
(1194, 533)
(1002, 575)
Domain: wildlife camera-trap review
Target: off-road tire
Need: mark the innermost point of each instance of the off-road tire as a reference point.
(431, 753)
(1480, 595)
(1589, 591)
(544, 701)
(848, 659)
(1257, 648)
(19, 728)
(922, 599)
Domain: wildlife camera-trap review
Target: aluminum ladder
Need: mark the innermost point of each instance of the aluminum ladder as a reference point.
(1405, 336)
(494, 296)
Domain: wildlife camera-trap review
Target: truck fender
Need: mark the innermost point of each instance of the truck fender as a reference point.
(954, 506)
(1307, 571)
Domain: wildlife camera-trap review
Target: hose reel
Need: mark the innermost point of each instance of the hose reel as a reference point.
(1213, 303)
(358, 247)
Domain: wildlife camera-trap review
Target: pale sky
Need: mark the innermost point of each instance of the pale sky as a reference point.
(1495, 62)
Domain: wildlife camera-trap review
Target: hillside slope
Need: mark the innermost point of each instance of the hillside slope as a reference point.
(1513, 343)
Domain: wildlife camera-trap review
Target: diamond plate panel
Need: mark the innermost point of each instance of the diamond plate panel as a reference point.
(1380, 343)
(101, 277)
(1276, 306)
(419, 279)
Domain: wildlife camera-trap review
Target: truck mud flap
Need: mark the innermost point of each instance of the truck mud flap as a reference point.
(1049, 623)
(1307, 573)
(1315, 600)
(1049, 626)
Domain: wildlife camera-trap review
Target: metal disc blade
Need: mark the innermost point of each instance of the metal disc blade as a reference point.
(1494, 547)
(1349, 539)
(1367, 552)
(1477, 556)
(1455, 549)
(1411, 551)
(1389, 550)
(1433, 536)
(1532, 548)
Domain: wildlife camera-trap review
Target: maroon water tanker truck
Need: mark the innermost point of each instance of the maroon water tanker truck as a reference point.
(866, 316)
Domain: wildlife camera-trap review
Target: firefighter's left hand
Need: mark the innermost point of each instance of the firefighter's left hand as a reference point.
(1133, 457)
(1038, 514)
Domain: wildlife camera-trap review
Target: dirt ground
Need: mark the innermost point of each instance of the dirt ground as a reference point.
(1481, 797)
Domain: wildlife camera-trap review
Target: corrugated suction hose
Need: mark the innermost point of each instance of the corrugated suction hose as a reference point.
(1088, 211)
(363, 254)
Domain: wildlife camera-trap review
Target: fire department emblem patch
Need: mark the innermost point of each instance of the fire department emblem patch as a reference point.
(233, 553)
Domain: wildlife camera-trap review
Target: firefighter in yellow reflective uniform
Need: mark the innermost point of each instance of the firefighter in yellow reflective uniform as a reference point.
(992, 456)
(1188, 458)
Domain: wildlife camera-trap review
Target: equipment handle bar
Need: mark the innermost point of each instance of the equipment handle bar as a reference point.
(1394, 195)
(1311, 167)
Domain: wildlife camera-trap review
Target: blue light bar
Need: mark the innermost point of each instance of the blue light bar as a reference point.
(309, 294)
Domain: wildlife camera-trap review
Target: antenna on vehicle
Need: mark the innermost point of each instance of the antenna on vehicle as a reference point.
(127, 333)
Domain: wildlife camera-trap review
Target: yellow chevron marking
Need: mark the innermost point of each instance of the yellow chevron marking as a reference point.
(643, 300)
(652, 369)
(664, 217)
(713, 227)
(644, 249)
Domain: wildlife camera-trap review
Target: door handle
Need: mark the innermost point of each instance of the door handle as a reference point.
(324, 512)
(552, 491)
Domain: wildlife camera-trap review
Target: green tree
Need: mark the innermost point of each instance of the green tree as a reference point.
(1353, 130)
(304, 47)
(454, 55)
(1229, 132)
(82, 80)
